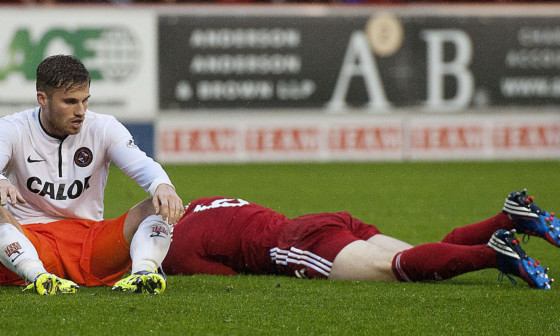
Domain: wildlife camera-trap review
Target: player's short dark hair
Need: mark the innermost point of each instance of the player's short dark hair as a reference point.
(61, 72)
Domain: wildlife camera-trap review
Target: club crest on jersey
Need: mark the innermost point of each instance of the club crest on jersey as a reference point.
(159, 231)
(83, 157)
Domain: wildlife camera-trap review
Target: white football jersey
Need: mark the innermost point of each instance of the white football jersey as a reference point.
(66, 178)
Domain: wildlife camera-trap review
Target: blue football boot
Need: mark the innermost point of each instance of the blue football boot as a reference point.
(529, 218)
(512, 259)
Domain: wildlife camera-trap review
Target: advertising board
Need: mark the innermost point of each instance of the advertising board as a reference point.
(377, 60)
(117, 49)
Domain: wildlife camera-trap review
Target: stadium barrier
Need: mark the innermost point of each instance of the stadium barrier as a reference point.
(242, 137)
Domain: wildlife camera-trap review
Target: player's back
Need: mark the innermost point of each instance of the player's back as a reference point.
(226, 231)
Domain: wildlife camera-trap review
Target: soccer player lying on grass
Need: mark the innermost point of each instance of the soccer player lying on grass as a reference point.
(227, 236)
(54, 162)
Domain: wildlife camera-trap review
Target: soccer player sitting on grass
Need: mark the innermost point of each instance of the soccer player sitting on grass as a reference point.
(55, 160)
(229, 236)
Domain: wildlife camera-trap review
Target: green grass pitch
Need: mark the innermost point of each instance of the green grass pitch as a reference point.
(416, 202)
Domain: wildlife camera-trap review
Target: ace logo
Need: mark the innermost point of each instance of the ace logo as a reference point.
(89, 44)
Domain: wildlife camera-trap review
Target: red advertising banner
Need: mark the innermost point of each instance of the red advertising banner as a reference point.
(357, 138)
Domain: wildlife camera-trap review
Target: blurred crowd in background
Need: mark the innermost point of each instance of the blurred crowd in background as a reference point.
(39, 2)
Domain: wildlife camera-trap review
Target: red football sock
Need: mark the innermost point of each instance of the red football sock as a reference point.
(439, 261)
(479, 233)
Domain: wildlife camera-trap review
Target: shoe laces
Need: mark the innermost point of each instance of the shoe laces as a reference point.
(511, 279)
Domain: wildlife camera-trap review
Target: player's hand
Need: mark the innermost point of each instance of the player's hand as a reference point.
(8, 190)
(168, 204)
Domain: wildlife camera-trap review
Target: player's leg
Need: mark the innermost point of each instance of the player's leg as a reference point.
(149, 237)
(368, 259)
(520, 213)
(381, 257)
(424, 262)
(107, 252)
(17, 252)
(107, 257)
(135, 216)
(389, 243)
(373, 235)
(340, 245)
(480, 232)
(361, 260)
(19, 255)
(388, 259)
(308, 245)
(7, 217)
(440, 261)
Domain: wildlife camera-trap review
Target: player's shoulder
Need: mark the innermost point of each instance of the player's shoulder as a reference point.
(15, 122)
(105, 123)
(22, 116)
(99, 118)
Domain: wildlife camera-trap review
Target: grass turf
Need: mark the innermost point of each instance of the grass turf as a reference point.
(416, 202)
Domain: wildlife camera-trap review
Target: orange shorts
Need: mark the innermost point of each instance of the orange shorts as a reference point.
(90, 253)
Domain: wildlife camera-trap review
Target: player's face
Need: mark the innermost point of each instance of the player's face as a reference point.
(63, 112)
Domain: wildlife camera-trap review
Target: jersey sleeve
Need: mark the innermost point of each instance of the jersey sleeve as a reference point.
(3, 163)
(7, 131)
(124, 153)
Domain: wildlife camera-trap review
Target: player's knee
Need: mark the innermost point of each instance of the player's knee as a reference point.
(5, 216)
(137, 215)
(6, 229)
(146, 208)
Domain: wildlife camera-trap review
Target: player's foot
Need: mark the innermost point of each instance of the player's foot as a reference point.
(142, 282)
(50, 284)
(512, 259)
(529, 218)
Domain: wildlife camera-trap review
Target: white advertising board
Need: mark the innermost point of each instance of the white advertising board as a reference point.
(117, 47)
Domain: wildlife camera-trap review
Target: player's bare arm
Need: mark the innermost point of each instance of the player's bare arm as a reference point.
(8, 190)
(168, 204)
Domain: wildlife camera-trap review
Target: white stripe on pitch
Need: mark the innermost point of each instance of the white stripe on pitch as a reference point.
(300, 257)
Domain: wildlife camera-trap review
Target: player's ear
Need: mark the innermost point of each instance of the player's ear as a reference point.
(42, 98)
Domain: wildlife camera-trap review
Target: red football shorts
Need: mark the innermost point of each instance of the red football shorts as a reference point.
(90, 253)
(308, 244)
